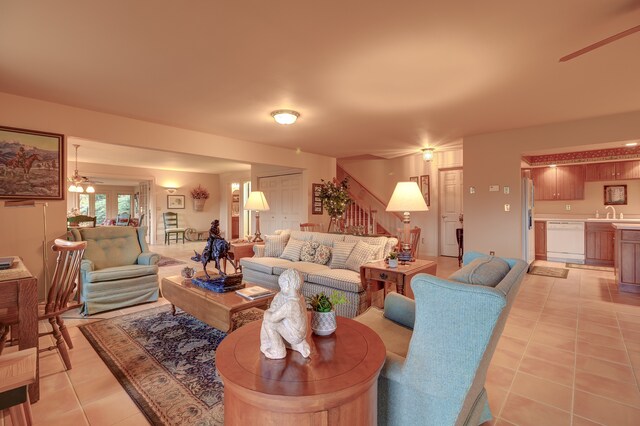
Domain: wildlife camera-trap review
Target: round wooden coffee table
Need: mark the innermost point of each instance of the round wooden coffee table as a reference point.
(337, 384)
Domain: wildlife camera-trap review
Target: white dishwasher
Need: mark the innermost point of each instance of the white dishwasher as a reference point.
(565, 241)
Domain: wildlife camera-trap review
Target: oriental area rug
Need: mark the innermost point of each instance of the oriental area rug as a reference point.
(166, 363)
(169, 261)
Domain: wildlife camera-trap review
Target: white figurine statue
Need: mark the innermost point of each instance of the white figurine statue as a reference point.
(286, 319)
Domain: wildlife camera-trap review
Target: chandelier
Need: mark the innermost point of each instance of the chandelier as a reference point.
(78, 181)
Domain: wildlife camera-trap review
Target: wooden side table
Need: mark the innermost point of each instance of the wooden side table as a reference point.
(375, 275)
(337, 384)
(236, 252)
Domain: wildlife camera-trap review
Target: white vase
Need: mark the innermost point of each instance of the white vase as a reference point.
(198, 204)
(393, 263)
(323, 323)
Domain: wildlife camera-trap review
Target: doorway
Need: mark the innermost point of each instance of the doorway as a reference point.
(450, 191)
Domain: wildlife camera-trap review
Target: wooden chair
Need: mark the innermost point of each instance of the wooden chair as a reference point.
(311, 227)
(17, 372)
(414, 239)
(123, 219)
(171, 227)
(81, 220)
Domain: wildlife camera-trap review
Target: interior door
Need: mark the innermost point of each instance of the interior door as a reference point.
(284, 195)
(450, 190)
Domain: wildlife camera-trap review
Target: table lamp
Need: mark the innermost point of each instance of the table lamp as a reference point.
(406, 198)
(257, 203)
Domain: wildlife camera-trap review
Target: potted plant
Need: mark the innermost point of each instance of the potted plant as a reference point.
(335, 199)
(199, 195)
(323, 314)
(393, 259)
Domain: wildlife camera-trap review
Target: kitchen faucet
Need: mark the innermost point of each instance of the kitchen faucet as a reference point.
(614, 211)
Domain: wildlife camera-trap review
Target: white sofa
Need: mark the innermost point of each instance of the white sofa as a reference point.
(265, 270)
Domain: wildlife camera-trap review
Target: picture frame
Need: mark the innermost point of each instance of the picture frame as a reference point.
(32, 164)
(414, 179)
(615, 195)
(425, 189)
(175, 202)
(316, 202)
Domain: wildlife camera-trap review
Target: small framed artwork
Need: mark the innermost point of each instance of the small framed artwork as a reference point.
(316, 202)
(175, 201)
(424, 187)
(615, 195)
(414, 179)
(32, 165)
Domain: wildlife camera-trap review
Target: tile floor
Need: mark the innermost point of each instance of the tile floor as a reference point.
(569, 355)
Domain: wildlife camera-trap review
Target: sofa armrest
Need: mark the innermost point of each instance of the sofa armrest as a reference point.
(87, 265)
(258, 250)
(148, 258)
(400, 309)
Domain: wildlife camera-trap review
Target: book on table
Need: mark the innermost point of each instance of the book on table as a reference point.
(6, 262)
(254, 292)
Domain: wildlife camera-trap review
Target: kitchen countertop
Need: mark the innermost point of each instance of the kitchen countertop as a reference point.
(589, 219)
(630, 226)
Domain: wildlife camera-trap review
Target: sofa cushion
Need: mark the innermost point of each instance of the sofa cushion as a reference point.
(292, 250)
(340, 254)
(361, 254)
(339, 279)
(305, 268)
(323, 254)
(326, 239)
(120, 273)
(395, 336)
(379, 242)
(489, 271)
(109, 246)
(263, 264)
(274, 244)
(301, 235)
(308, 251)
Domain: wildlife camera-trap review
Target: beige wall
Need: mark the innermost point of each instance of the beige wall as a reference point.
(494, 159)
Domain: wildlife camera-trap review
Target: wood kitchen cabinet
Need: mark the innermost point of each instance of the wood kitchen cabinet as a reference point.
(559, 183)
(628, 260)
(620, 170)
(599, 244)
(540, 228)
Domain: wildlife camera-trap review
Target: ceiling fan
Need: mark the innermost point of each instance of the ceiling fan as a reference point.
(600, 44)
(78, 181)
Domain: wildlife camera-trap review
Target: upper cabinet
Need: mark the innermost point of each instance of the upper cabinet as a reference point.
(613, 171)
(559, 183)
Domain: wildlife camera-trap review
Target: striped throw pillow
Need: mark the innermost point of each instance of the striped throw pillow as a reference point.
(361, 254)
(340, 254)
(274, 244)
(292, 250)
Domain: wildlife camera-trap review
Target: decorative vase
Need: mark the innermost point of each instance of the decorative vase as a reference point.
(393, 263)
(198, 204)
(323, 323)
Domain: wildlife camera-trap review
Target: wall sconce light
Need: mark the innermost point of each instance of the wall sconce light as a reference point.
(427, 154)
(285, 116)
(171, 190)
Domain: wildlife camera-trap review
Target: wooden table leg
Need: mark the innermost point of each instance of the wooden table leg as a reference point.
(28, 329)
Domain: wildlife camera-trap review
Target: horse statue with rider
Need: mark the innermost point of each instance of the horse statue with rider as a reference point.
(215, 250)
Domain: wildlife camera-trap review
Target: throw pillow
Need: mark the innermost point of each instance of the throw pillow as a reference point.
(487, 271)
(361, 253)
(292, 250)
(274, 244)
(340, 254)
(308, 252)
(323, 254)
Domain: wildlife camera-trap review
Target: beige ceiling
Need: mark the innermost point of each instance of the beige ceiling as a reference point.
(382, 78)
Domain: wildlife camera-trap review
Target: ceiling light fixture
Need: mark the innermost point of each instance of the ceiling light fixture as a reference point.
(285, 116)
(77, 181)
(631, 144)
(427, 154)
(171, 190)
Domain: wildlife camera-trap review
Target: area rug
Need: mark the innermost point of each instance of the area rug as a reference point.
(169, 261)
(548, 271)
(166, 363)
(590, 267)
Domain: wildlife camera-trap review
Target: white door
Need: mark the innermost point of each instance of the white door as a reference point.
(450, 210)
(284, 195)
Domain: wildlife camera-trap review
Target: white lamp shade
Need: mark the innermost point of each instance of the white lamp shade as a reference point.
(256, 202)
(407, 198)
(91, 189)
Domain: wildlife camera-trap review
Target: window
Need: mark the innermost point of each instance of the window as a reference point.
(124, 203)
(100, 206)
(83, 204)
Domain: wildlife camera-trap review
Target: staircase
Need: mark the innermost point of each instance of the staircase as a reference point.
(367, 212)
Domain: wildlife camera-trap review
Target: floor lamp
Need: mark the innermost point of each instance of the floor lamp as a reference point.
(258, 203)
(406, 198)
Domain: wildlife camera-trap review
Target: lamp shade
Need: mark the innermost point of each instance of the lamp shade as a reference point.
(256, 202)
(407, 198)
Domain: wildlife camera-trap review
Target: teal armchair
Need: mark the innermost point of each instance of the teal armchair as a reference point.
(117, 268)
(440, 346)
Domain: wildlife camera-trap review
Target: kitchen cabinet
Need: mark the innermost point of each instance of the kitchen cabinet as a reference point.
(559, 183)
(627, 259)
(599, 244)
(540, 228)
(620, 170)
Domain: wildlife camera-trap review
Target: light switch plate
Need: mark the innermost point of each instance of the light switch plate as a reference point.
(494, 188)
(506, 189)
(472, 190)
(507, 207)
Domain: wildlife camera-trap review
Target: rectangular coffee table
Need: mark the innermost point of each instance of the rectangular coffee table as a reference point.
(214, 309)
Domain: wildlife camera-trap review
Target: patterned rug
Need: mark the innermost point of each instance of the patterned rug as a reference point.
(548, 271)
(590, 267)
(169, 261)
(166, 363)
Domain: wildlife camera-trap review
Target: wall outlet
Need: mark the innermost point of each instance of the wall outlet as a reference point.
(492, 253)
(507, 207)
(567, 207)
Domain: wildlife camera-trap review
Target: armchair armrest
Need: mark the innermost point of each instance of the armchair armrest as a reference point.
(400, 309)
(392, 368)
(87, 265)
(148, 258)
(258, 250)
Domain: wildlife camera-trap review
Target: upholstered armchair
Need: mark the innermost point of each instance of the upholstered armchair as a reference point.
(117, 269)
(439, 347)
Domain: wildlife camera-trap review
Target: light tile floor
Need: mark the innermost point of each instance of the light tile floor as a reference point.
(569, 355)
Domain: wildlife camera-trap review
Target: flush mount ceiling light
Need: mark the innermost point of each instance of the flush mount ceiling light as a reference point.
(427, 154)
(285, 116)
(631, 144)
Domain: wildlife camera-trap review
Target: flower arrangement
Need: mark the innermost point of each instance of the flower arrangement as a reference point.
(335, 196)
(199, 193)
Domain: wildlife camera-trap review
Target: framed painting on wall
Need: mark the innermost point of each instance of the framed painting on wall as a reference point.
(31, 164)
(175, 201)
(414, 179)
(424, 187)
(316, 202)
(615, 195)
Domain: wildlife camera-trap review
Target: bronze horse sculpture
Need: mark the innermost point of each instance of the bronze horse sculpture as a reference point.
(216, 249)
